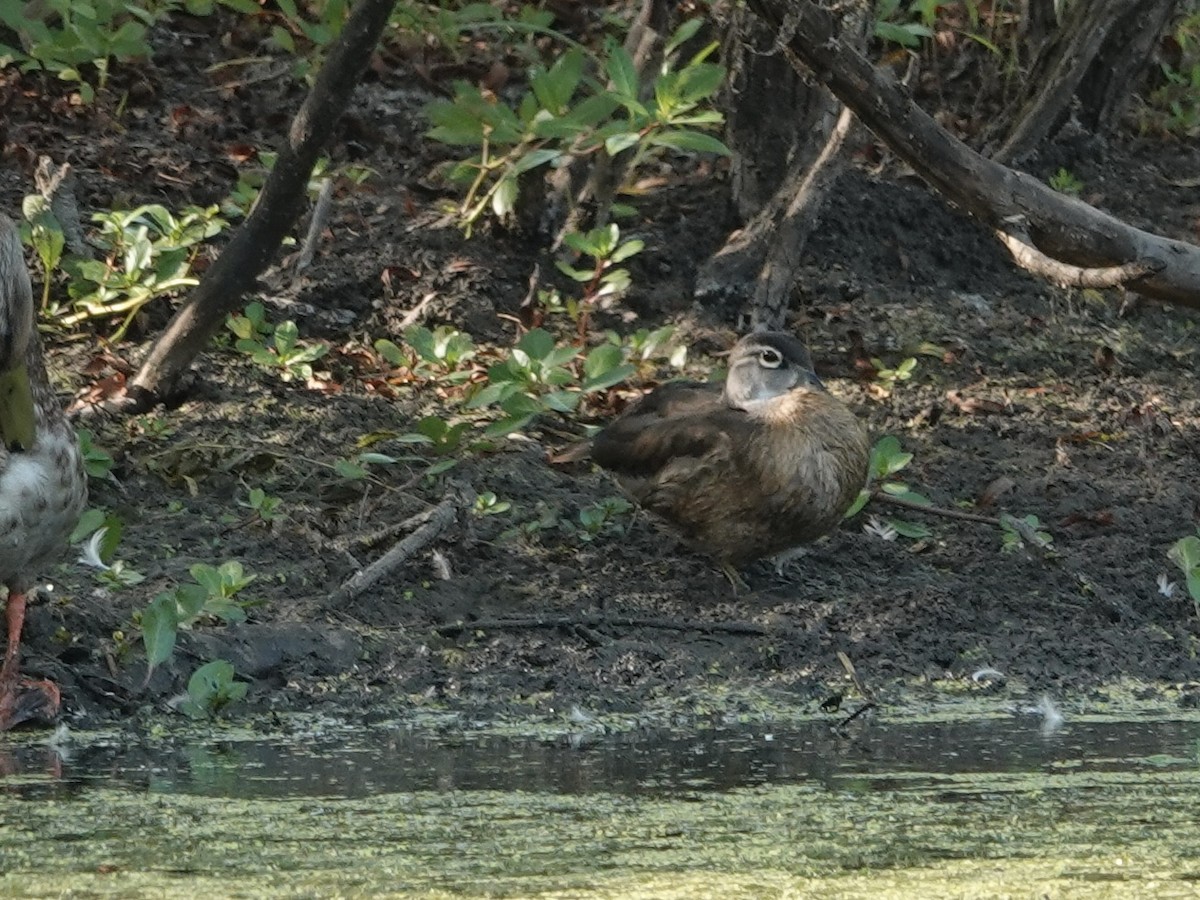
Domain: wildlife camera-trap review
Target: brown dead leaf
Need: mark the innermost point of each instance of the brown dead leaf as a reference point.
(98, 392)
(240, 153)
(323, 385)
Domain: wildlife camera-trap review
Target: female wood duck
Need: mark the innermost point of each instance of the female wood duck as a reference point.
(42, 484)
(745, 471)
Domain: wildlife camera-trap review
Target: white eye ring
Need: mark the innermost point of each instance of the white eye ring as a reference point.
(770, 359)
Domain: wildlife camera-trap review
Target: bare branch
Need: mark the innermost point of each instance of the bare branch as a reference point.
(1034, 260)
(255, 243)
(1061, 227)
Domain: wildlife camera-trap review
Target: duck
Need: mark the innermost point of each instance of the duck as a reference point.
(748, 469)
(43, 486)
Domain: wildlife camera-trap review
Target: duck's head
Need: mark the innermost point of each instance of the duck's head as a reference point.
(766, 365)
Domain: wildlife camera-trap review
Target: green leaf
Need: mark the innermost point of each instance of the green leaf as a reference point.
(159, 627)
(887, 457)
(1185, 553)
(859, 502)
(909, 529)
(491, 393)
(390, 353)
(622, 73)
(607, 379)
(454, 124)
(535, 158)
(555, 87)
(626, 250)
(688, 141)
(901, 491)
(538, 343)
(189, 602)
(699, 82)
(504, 197)
(621, 141)
(683, 34)
(907, 35)
(580, 275)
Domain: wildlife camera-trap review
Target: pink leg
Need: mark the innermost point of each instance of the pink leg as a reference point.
(15, 614)
(22, 700)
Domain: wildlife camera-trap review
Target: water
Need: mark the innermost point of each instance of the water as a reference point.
(967, 809)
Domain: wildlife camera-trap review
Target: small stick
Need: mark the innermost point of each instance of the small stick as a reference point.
(319, 217)
(885, 497)
(440, 518)
(573, 622)
(1026, 531)
(386, 533)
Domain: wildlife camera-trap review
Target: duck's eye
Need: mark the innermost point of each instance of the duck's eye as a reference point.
(771, 359)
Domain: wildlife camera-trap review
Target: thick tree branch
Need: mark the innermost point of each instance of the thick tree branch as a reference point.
(255, 243)
(1060, 227)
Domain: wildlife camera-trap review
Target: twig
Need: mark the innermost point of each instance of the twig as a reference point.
(590, 622)
(1063, 274)
(885, 497)
(1027, 532)
(319, 217)
(440, 518)
(387, 532)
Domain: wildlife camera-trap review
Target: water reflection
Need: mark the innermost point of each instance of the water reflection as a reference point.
(369, 762)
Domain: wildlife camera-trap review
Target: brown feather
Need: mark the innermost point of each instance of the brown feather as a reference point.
(740, 485)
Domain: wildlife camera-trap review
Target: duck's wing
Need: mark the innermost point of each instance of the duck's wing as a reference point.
(677, 421)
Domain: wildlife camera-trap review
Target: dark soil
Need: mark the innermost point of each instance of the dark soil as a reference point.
(1091, 411)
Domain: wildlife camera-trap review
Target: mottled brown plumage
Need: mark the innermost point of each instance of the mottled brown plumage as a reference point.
(42, 484)
(769, 461)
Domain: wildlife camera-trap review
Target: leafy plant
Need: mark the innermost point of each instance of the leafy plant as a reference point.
(1065, 182)
(488, 504)
(602, 516)
(212, 595)
(437, 434)
(887, 378)
(211, 689)
(1185, 553)
(283, 351)
(444, 353)
(251, 325)
(534, 379)
(1174, 105)
(263, 505)
(148, 253)
(565, 113)
(46, 237)
(602, 280)
(62, 37)
(888, 458)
